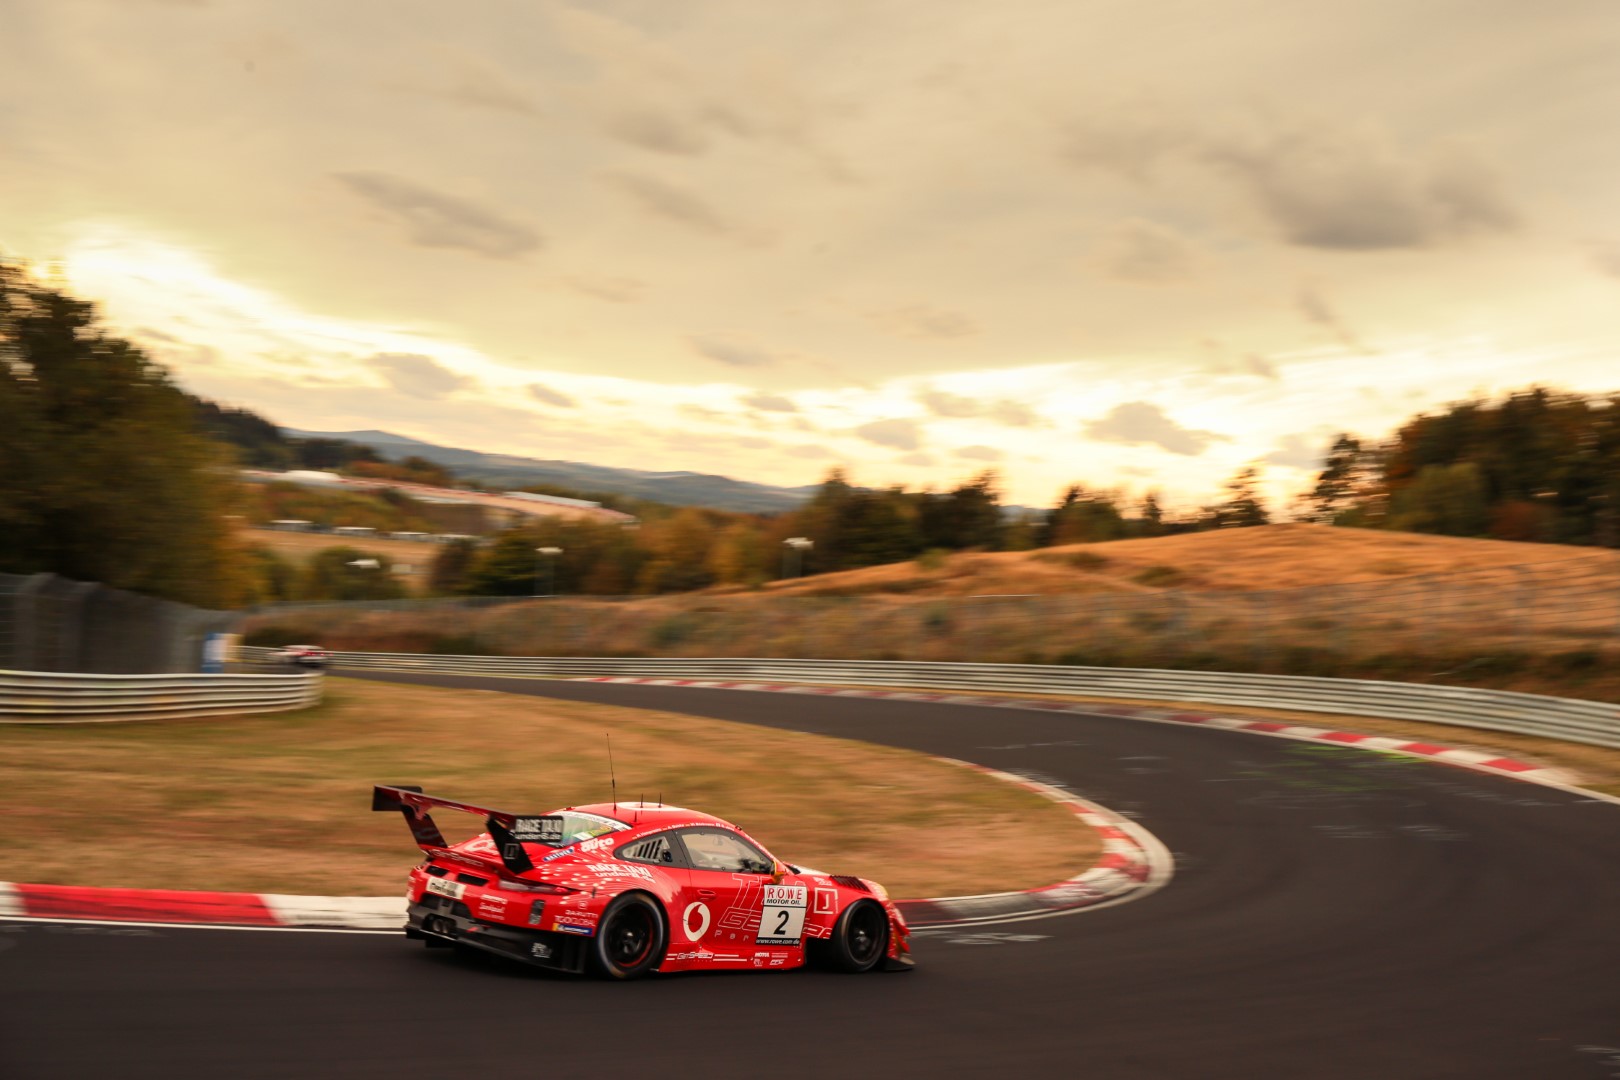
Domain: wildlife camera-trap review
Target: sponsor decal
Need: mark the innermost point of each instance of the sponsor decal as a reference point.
(537, 830)
(620, 870)
(826, 901)
(446, 887)
(569, 928)
(601, 843)
(492, 906)
(781, 920)
(701, 912)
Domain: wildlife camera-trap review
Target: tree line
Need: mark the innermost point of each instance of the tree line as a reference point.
(110, 472)
(1537, 465)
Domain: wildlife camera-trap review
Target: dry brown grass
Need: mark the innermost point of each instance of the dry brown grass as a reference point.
(1268, 557)
(280, 803)
(299, 548)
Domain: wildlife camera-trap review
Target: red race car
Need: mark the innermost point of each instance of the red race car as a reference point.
(626, 889)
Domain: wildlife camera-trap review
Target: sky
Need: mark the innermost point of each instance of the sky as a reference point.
(1135, 244)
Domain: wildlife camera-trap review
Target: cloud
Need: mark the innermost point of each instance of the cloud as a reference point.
(1137, 423)
(1296, 452)
(615, 290)
(1338, 186)
(475, 82)
(1316, 309)
(922, 322)
(923, 461)
(703, 412)
(1606, 256)
(900, 434)
(550, 396)
(433, 219)
(957, 407)
(671, 203)
(417, 376)
(808, 450)
(769, 403)
(1255, 364)
(1146, 252)
(1350, 188)
(732, 353)
(657, 131)
(979, 453)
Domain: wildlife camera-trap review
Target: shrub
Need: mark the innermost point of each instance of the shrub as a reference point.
(1160, 576)
(932, 559)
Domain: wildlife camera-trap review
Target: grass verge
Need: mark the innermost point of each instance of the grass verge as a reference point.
(280, 802)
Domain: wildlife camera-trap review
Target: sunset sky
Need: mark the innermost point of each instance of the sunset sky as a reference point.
(1134, 244)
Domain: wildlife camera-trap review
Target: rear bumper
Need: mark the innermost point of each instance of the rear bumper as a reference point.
(438, 920)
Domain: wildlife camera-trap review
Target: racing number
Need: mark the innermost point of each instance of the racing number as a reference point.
(782, 919)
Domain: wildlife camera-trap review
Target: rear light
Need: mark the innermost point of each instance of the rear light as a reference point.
(537, 887)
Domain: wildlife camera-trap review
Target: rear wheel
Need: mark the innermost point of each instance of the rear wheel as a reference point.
(629, 941)
(860, 938)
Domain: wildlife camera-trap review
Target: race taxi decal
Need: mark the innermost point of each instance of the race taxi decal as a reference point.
(781, 920)
(445, 887)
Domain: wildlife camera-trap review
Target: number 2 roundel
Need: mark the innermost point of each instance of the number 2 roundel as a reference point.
(702, 911)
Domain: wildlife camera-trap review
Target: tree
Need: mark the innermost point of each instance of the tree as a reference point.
(1242, 507)
(105, 474)
(1445, 499)
(347, 574)
(452, 566)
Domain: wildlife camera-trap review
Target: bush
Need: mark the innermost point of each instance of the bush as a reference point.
(932, 559)
(1160, 577)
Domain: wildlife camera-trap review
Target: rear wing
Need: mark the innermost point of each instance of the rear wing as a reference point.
(509, 831)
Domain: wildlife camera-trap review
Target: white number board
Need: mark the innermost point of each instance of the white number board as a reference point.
(781, 922)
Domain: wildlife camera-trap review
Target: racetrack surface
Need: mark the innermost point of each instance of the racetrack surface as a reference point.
(1334, 913)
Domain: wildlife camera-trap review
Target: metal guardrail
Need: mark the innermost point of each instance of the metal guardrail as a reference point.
(32, 697)
(1593, 722)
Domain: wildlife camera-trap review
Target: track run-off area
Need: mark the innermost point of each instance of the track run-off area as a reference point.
(1333, 912)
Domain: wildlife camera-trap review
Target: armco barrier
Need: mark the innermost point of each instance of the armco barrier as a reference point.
(32, 697)
(1593, 722)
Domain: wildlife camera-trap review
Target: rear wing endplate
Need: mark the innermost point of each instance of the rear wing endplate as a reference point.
(509, 831)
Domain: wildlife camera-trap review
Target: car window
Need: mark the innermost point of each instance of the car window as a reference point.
(655, 849)
(717, 849)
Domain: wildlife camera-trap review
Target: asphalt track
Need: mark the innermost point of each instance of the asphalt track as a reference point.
(1333, 914)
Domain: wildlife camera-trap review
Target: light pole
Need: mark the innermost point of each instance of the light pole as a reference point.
(550, 563)
(795, 546)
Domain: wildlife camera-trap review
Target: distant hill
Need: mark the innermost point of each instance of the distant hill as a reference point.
(672, 488)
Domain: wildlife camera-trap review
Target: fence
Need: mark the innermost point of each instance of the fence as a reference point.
(49, 623)
(29, 697)
(1596, 723)
(1568, 606)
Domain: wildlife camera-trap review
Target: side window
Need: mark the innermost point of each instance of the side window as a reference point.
(717, 849)
(655, 849)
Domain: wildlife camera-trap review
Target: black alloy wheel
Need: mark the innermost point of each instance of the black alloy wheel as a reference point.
(861, 937)
(629, 941)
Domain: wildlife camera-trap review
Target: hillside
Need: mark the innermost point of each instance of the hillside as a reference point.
(670, 488)
(1266, 557)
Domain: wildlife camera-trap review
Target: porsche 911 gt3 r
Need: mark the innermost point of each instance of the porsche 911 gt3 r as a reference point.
(626, 889)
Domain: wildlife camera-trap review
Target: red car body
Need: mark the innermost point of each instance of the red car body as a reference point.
(627, 889)
(303, 655)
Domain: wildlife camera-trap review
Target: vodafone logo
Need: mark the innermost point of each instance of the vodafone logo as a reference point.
(702, 912)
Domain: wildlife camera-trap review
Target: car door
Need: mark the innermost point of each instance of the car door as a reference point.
(728, 878)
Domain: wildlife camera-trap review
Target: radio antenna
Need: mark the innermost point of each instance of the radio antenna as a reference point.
(612, 779)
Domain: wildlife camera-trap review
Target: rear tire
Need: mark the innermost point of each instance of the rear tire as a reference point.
(860, 939)
(630, 939)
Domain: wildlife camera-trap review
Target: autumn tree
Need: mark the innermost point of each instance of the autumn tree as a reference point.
(105, 473)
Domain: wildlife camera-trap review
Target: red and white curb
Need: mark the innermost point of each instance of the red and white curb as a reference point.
(1134, 863)
(1470, 759)
(174, 907)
